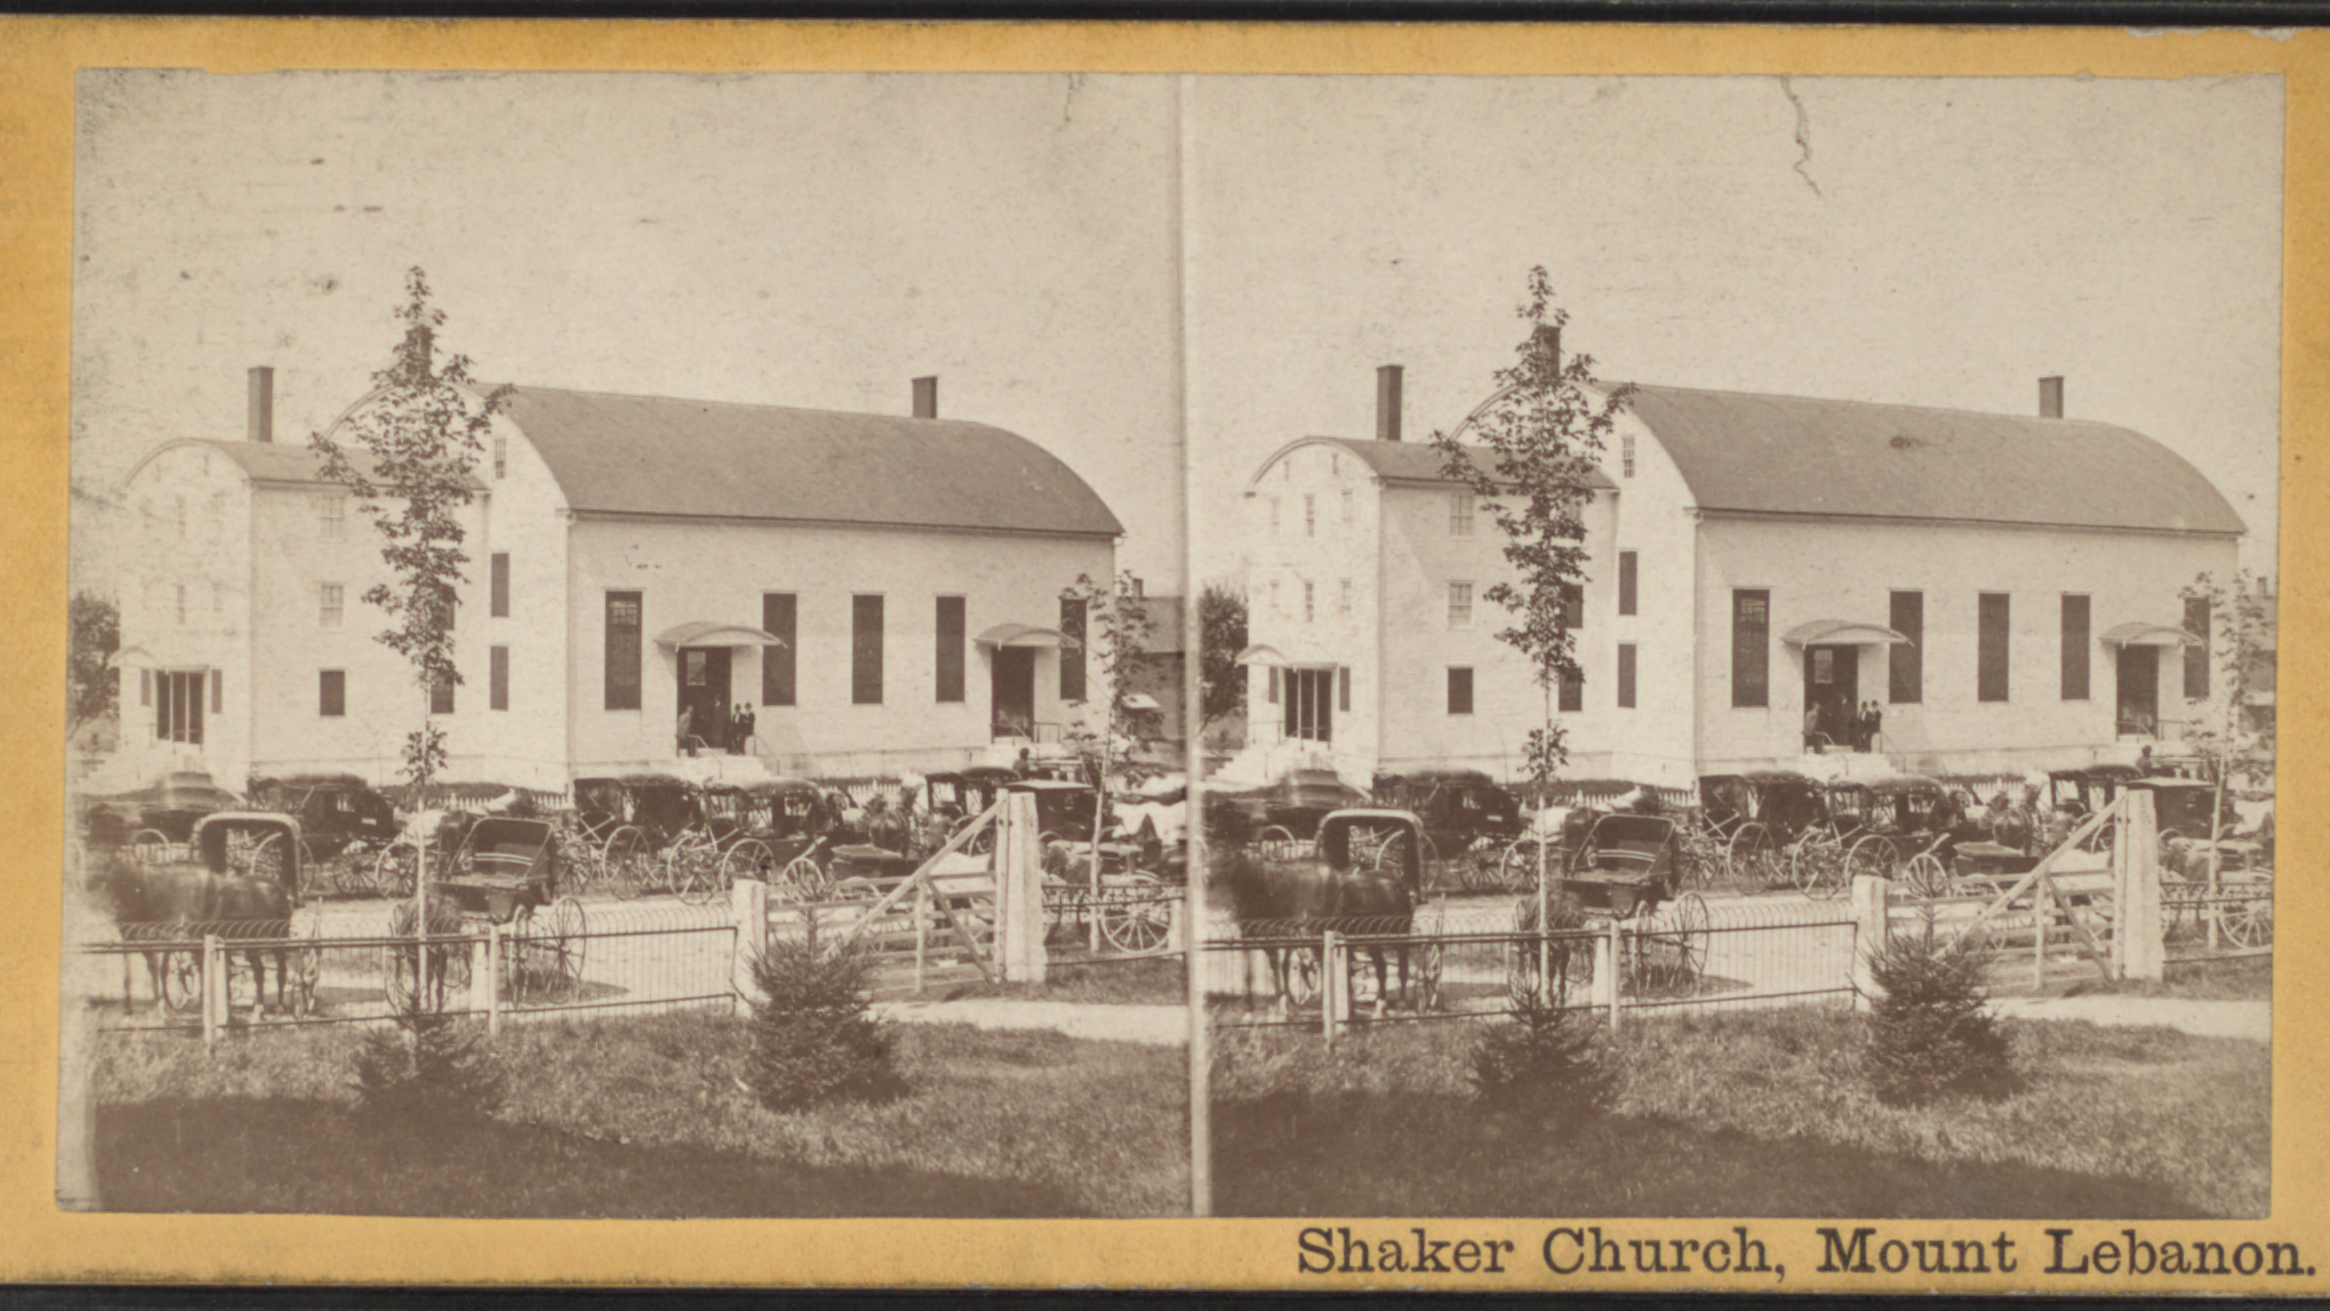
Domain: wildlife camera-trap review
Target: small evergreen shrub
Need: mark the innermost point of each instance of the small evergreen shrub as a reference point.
(812, 1038)
(1929, 1034)
(1547, 1061)
(429, 1069)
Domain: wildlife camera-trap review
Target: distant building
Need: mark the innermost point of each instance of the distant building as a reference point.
(883, 591)
(2009, 590)
(1158, 673)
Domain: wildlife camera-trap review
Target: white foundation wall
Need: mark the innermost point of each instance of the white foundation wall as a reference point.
(1846, 571)
(718, 571)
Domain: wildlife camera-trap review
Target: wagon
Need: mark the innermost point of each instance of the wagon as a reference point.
(505, 873)
(626, 825)
(346, 826)
(235, 844)
(1360, 876)
(1466, 815)
(1748, 821)
(1625, 868)
(779, 831)
(1905, 827)
(1287, 813)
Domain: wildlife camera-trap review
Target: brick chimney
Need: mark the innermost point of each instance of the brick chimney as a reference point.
(1387, 403)
(2050, 398)
(262, 404)
(926, 397)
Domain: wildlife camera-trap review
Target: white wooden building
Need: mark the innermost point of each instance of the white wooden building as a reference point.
(885, 591)
(2010, 590)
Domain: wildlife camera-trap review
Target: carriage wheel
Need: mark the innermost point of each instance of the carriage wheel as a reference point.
(2250, 924)
(1926, 876)
(749, 859)
(1518, 868)
(1133, 914)
(802, 879)
(393, 873)
(1872, 855)
(981, 843)
(181, 980)
(626, 860)
(149, 847)
(304, 970)
(1749, 856)
(691, 869)
(554, 945)
(1303, 969)
(1277, 842)
(1686, 941)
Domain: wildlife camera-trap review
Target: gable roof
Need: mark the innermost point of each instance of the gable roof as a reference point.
(1791, 455)
(1411, 464)
(661, 457)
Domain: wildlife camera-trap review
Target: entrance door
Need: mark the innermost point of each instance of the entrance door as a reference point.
(1012, 692)
(1832, 688)
(1310, 704)
(704, 694)
(2139, 689)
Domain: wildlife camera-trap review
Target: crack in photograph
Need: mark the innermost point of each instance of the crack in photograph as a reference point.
(1733, 619)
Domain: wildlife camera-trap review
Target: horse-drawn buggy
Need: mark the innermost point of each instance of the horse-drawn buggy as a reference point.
(1469, 820)
(629, 828)
(155, 822)
(346, 827)
(1904, 827)
(1361, 878)
(1749, 824)
(1624, 868)
(236, 878)
(780, 831)
(2228, 881)
(505, 872)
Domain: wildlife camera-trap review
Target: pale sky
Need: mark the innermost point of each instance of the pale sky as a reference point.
(818, 240)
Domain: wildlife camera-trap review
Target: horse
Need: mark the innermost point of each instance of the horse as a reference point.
(180, 902)
(1303, 898)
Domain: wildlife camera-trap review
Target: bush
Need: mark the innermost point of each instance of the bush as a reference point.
(1929, 1035)
(812, 1040)
(427, 1070)
(1547, 1060)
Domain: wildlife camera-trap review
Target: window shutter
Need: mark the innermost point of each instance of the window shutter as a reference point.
(779, 617)
(1626, 676)
(1991, 651)
(2196, 658)
(501, 585)
(1072, 661)
(1905, 665)
(1343, 689)
(1626, 582)
(866, 650)
(218, 683)
(497, 679)
(622, 657)
(950, 648)
(2075, 652)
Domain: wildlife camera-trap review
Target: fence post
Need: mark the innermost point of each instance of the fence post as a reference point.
(2138, 944)
(213, 990)
(1019, 889)
(921, 933)
(2042, 923)
(485, 964)
(1330, 991)
(1608, 951)
(1872, 929)
(748, 901)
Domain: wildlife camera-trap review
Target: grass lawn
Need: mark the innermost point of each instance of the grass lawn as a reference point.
(646, 1117)
(1755, 1113)
(2240, 978)
(1152, 980)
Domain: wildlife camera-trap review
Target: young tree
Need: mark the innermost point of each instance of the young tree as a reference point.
(2240, 627)
(1531, 465)
(417, 436)
(1111, 739)
(1221, 617)
(92, 685)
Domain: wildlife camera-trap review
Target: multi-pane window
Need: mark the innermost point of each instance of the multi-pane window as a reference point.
(1990, 647)
(181, 595)
(1751, 647)
(2196, 658)
(440, 696)
(178, 706)
(332, 517)
(1626, 454)
(1310, 515)
(1460, 514)
(331, 604)
(1459, 690)
(865, 646)
(779, 618)
(1905, 663)
(1626, 582)
(498, 585)
(1460, 605)
(2075, 624)
(497, 678)
(1626, 676)
(501, 457)
(1573, 605)
(623, 637)
(1072, 658)
(1307, 594)
(332, 693)
(950, 648)
(1572, 692)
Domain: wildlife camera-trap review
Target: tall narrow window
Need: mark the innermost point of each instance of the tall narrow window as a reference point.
(1310, 515)
(1626, 456)
(1573, 605)
(1990, 681)
(331, 604)
(501, 457)
(622, 651)
(332, 693)
(778, 619)
(1751, 647)
(1626, 676)
(497, 678)
(1460, 514)
(1343, 603)
(1072, 658)
(332, 517)
(499, 586)
(441, 696)
(1626, 582)
(2074, 647)
(950, 648)
(1459, 690)
(1460, 605)
(218, 692)
(1572, 691)
(1343, 688)
(865, 647)
(1905, 665)
(181, 593)
(2196, 658)
(1307, 596)
(1273, 681)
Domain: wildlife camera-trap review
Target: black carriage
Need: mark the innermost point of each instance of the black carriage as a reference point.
(780, 831)
(345, 824)
(1361, 875)
(1750, 820)
(2189, 808)
(1628, 868)
(627, 825)
(1464, 810)
(506, 872)
(151, 821)
(1288, 812)
(1905, 827)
